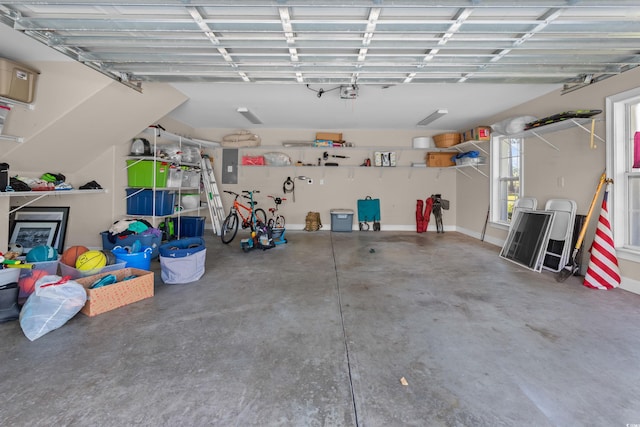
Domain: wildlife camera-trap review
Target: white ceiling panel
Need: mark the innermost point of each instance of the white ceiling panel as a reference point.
(322, 42)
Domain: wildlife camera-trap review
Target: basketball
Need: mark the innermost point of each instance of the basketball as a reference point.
(70, 256)
(27, 284)
(91, 260)
(111, 258)
(42, 253)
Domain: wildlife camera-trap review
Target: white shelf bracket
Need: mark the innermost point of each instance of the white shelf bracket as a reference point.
(18, 139)
(463, 172)
(27, 203)
(545, 140)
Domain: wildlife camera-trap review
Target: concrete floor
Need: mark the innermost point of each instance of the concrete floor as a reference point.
(320, 331)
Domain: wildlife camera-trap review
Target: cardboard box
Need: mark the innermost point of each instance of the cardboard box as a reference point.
(17, 81)
(480, 133)
(322, 143)
(118, 294)
(329, 136)
(440, 159)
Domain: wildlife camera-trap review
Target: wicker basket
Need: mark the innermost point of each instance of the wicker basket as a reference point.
(445, 140)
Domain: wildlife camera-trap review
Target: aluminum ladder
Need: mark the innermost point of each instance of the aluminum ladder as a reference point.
(214, 202)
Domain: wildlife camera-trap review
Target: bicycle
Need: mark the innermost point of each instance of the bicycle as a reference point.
(276, 220)
(254, 216)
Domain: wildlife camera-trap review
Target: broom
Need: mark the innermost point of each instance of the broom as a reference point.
(572, 266)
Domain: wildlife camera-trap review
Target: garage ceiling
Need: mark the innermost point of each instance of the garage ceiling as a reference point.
(327, 44)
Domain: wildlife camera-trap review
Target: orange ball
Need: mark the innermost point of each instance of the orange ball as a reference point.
(27, 284)
(70, 256)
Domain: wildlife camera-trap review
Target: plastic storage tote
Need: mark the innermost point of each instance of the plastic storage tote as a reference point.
(146, 240)
(341, 219)
(140, 202)
(140, 173)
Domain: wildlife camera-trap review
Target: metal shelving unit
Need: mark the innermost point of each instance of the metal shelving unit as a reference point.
(159, 138)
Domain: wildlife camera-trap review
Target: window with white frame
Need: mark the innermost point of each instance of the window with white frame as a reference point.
(623, 165)
(506, 172)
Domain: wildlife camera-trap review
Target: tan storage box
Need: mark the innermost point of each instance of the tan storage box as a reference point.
(480, 133)
(440, 159)
(328, 136)
(17, 81)
(445, 140)
(118, 294)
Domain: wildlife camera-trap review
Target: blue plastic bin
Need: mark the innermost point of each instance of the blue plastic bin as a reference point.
(190, 226)
(140, 202)
(146, 240)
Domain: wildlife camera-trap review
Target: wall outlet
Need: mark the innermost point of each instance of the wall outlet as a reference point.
(322, 182)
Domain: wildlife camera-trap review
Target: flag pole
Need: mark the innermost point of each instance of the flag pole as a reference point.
(572, 266)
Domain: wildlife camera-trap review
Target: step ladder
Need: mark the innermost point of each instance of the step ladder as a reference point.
(214, 202)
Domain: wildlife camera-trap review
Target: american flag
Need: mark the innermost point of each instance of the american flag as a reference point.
(603, 271)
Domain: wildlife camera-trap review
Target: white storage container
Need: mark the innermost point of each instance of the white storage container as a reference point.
(423, 142)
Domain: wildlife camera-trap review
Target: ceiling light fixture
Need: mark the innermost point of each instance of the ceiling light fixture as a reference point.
(249, 115)
(433, 117)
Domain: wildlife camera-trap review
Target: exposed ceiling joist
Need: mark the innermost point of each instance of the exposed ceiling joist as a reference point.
(364, 42)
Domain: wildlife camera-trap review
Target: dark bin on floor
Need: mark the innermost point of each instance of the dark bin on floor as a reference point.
(182, 260)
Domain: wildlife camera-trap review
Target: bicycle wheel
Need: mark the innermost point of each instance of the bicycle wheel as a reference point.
(229, 228)
(271, 223)
(261, 215)
(280, 221)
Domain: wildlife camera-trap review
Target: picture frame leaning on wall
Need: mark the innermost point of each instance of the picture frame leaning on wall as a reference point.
(30, 234)
(44, 213)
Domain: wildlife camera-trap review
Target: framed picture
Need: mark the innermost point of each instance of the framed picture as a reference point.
(44, 213)
(33, 233)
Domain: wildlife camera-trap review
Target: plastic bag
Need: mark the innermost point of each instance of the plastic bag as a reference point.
(512, 125)
(54, 302)
(242, 138)
(276, 159)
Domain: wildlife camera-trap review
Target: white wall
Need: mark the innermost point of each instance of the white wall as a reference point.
(340, 187)
(576, 164)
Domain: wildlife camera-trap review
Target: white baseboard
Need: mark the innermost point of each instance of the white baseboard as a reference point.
(476, 235)
(383, 227)
(630, 285)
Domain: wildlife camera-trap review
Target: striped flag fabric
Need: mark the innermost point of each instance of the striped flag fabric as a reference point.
(603, 271)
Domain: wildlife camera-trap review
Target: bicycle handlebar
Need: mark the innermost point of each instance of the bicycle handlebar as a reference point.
(277, 200)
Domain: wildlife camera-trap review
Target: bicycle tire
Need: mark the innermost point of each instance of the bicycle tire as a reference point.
(229, 228)
(271, 223)
(280, 222)
(261, 216)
